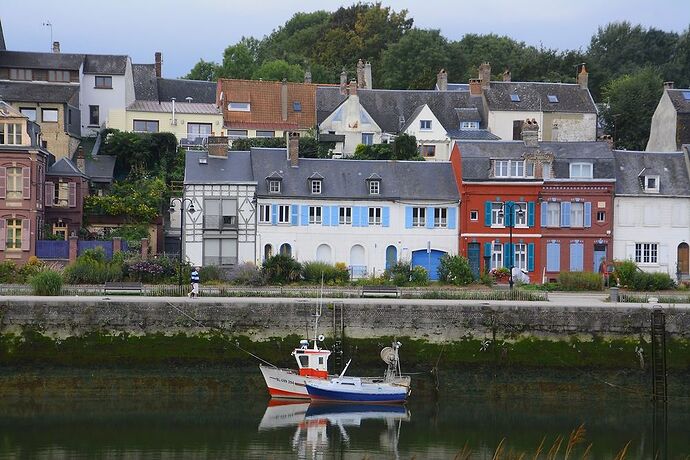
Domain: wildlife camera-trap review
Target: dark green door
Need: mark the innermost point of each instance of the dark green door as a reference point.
(474, 256)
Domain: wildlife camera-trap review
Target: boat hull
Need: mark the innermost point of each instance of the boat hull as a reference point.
(284, 383)
(375, 394)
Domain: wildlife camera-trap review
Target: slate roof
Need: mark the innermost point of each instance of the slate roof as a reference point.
(66, 168)
(679, 101)
(31, 60)
(386, 107)
(476, 157)
(473, 135)
(202, 92)
(107, 64)
(145, 82)
(669, 166)
(40, 92)
(468, 114)
(100, 168)
(180, 107)
(237, 167)
(534, 97)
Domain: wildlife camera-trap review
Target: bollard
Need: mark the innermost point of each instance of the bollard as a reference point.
(613, 296)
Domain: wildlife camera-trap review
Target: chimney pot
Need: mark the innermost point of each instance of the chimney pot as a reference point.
(159, 64)
(56, 47)
(368, 82)
(583, 76)
(485, 75)
(668, 85)
(530, 133)
(217, 146)
(442, 80)
(293, 149)
(475, 87)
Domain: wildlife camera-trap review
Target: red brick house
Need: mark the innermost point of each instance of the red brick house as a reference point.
(65, 189)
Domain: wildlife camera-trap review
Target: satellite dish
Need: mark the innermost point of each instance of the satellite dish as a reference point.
(388, 355)
(321, 337)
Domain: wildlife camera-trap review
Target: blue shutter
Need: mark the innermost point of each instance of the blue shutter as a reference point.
(364, 216)
(509, 214)
(408, 217)
(294, 214)
(386, 216)
(530, 214)
(576, 257)
(452, 217)
(530, 257)
(429, 217)
(325, 215)
(274, 214)
(565, 214)
(487, 213)
(335, 216)
(355, 216)
(506, 255)
(553, 257)
(487, 249)
(588, 214)
(544, 214)
(304, 215)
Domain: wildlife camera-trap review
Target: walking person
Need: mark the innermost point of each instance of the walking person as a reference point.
(195, 279)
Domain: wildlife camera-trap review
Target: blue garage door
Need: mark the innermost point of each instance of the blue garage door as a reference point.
(430, 261)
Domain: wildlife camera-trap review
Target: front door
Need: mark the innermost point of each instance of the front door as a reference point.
(474, 256)
(599, 256)
(391, 257)
(683, 259)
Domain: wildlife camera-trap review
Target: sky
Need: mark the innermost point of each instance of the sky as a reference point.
(186, 31)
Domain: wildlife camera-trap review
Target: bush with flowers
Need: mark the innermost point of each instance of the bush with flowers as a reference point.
(500, 275)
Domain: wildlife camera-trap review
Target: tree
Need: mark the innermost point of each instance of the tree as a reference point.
(238, 62)
(277, 70)
(630, 104)
(414, 61)
(203, 70)
(404, 147)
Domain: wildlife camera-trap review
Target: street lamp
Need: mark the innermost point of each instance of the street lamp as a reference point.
(191, 210)
(509, 213)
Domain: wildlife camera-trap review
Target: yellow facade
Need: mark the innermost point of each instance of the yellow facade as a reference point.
(124, 121)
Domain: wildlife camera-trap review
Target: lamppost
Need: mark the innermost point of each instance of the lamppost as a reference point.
(509, 213)
(191, 210)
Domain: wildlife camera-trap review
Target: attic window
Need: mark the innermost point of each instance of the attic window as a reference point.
(297, 106)
(239, 106)
(651, 184)
(552, 98)
(274, 186)
(425, 124)
(374, 187)
(686, 95)
(469, 125)
(515, 98)
(316, 186)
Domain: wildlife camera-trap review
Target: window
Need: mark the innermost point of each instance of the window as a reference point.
(284, 214)
(552, 98)
(577, 214)
(11, 133)
(469, 125)
(94, 117)
(428, 150)
(546, 170)
(264, 213)
(285, 250)
(496, 255)
(553, 214)
(440, 217)
(196, 130)
(425, 125)
(314, 214)
(601, 216)
(374, 216)
(651, 184)
(220, 251)
(520, 256)
(103, 82)
(367, 138)
(220, 214)
(686, 95)
(14, 234)
(345, 217)
(315, 187)
(60, 229)
(145, 126)
(374, 187)
(237, 133)
(474, 215)
(520, 209)
(297, 106)
(61, 194)
(59, 75)
(497, 214)
(29, 112)
(418, 217)
(501, 168)
(581, 170)
(49, 115)
(273, 186)
(21, 74)
(265, 134)
(239, 106)
(14, 184)
(514, 98)
(517, 168)
(646, 253)
(513, 168)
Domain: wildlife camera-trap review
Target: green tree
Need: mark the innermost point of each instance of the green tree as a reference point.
(405, 148)
(277, 70)
(413, 62)
(238, 62)
(139, 200)
(203, 70)
(630, 104)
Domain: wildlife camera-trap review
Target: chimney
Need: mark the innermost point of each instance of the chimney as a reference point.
(284, 99)
(583, 76)
(475, 87)
(668, 85)
(159, 64)
(442, 80)
(217, 146)
(307, 77)
(56, 47)
(343, 82)
(360, 75)
(506, 75)
(368, 82)
(353, 88)
(485, 74)
(293, 149)
(530, 133)
(554, 132)
(81, 159)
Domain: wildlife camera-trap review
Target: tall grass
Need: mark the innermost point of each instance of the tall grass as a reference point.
(46, 282)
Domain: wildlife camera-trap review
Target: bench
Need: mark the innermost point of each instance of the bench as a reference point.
(380, 291)
(111, 287)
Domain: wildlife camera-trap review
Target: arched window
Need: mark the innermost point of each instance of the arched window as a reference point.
(286, 250)
(323, 253)
(268, 251)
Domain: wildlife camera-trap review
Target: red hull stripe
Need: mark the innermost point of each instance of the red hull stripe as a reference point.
(286, 394)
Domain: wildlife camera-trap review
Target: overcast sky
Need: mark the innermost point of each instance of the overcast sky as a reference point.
(186, 31)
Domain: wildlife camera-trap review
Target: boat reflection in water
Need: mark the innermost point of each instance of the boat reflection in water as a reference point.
(314, 422)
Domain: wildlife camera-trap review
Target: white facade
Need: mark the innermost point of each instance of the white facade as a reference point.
(354, 122)
(430, 133)
(571, 127)
(651, 231)
(106, 99)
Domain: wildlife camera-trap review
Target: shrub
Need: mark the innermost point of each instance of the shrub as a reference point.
(399, 274)
(212, 273)
(92, 268)
(500, 274)
(419, 276)
(46, 282)
(281, 269)
(151, 270)
(624, 272)
(246, 274)
(316, 271)
(643, 281)
(581, 281)
(455, 270)
(8, 271)
(32, 266)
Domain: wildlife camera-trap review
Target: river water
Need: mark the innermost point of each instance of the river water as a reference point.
(213, 412)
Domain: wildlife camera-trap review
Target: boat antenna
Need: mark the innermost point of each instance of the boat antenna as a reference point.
(317, 314)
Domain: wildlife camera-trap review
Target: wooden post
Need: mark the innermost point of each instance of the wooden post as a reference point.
(117, 244)
(73, 248)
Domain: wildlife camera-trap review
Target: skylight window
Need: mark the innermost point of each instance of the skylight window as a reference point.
(297, 106)
(686, 95)
(515, 98)
(552, 98)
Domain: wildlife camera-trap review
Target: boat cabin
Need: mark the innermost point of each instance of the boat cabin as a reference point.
(312, 362)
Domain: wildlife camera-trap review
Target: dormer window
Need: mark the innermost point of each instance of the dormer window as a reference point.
(374, 187)
(316, 187)
(239, 106)
(10, 133)
(469, 125)
(651, 184)
(425, 125)
(552, 98)
(274, 186)
(581, 170)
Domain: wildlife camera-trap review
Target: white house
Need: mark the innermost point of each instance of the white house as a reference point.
(670, 127)
(652, 211)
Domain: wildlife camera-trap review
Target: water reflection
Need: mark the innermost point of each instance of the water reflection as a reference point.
(323, 427)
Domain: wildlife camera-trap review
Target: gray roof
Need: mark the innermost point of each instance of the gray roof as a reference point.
(669, 166)
(180, 107)
(468, 114)
(388, 107)
(30, 60)
(61, 93)
(64, 167)
(477, 156)
(534, 97)
(237, 167)
(100, 168)
(201, 92)
(145, 82)
(105, 64)
(473, 135)
(458, 87)
(678, 99)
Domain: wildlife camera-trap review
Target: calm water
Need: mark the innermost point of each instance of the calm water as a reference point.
(220, 413)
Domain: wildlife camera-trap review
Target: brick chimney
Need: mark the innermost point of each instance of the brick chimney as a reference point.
(293, 149)
(159, 64)
(669, 85)
(217, 146)
(583, 76)
(442, 80)
(475, 87)
(56, 47)
(368, 82)
(353, 88)
(360, 75)
(485, 74)
(506, 75)
(343, 83)
(307, 77)
(284, 99)
(81, 159)
(530, 133)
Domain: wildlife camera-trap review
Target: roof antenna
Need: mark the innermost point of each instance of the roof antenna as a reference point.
(49, 24)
